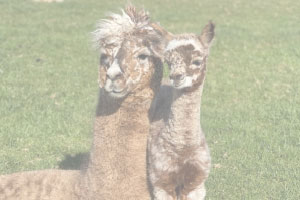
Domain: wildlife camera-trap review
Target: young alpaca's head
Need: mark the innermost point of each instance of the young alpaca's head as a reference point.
(186, 56)
(130, 53)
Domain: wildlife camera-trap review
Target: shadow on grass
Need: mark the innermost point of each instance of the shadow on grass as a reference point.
(74, 162)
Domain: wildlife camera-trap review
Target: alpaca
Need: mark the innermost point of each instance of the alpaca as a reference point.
(178, 156)
(129, 74)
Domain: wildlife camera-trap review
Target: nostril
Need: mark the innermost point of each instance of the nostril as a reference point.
(118, 76)
(114, 76)
(176, 76)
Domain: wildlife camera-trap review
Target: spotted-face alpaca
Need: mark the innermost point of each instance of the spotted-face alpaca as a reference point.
(130, 73)
(179, 159)
(128, 69)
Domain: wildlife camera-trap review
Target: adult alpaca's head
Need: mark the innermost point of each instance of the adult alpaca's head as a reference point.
(186, 56)
(130, 53)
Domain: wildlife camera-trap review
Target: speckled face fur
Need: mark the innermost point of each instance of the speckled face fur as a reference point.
(126, 68)
(131, 48)
(186, 57)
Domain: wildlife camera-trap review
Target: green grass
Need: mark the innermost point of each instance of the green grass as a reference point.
(251, 100)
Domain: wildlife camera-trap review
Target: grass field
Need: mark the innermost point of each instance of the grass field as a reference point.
(251, 100)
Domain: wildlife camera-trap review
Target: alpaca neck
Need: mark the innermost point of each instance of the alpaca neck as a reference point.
(118, 154)
(185, 116)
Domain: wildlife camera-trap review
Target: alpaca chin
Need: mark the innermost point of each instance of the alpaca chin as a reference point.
(187, 82)
(114, 90)
(118, 95)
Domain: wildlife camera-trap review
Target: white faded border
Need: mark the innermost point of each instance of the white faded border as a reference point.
(49, 1)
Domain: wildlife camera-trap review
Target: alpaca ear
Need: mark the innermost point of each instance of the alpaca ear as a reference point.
(161, 31)
(159, 40)
(207, 34)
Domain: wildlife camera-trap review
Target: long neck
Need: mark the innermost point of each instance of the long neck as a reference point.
(185, 115)
(120, 132)
(117, 166)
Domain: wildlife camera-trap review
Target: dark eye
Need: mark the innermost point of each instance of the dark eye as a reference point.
(142, 56)
(197, 62)
(103, 59)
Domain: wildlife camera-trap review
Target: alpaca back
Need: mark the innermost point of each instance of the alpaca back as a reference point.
(42, 185)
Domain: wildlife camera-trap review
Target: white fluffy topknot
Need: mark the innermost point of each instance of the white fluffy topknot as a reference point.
(111, 31)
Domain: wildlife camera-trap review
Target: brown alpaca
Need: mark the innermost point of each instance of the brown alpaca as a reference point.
(130, 73)
(178, 156)
(42, 185)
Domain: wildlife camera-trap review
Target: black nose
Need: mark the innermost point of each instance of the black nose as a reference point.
(176, 76)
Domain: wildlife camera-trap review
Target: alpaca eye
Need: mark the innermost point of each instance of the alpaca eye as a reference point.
(197, 62)
(143, 56)
(104, 59)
